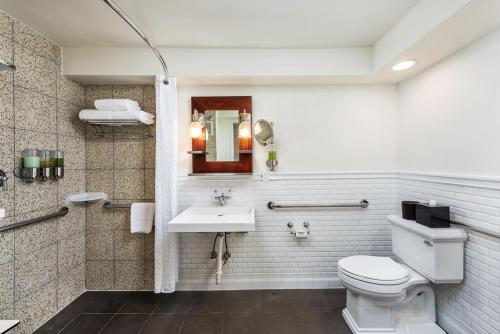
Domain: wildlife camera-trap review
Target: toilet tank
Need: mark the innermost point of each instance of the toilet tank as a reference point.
(436, 253)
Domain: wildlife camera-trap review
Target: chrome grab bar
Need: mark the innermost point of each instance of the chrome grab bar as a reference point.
(62, 212)
(111, 205)
(363, 204)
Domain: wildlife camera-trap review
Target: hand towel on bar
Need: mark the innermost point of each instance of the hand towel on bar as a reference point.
(107, 116)
(141, 217)
(117, 105)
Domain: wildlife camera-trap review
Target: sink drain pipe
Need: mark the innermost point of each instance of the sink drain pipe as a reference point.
(218, 273)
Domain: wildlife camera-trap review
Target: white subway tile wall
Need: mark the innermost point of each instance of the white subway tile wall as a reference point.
(474, 306)
(271, 257)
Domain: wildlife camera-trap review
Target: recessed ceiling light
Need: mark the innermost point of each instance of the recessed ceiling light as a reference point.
(404, 65)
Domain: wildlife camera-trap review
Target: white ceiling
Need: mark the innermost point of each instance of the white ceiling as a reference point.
(215, 23)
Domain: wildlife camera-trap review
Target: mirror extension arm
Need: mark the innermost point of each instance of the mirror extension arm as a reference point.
(129, 21)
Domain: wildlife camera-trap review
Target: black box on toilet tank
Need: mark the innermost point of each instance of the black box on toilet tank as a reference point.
(433, 216)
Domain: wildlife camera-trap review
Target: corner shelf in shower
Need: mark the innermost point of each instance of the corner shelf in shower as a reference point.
(108, 131)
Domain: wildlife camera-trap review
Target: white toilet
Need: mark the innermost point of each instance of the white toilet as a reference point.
(386, 296)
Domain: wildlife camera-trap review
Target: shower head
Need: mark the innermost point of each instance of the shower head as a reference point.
(6, 66)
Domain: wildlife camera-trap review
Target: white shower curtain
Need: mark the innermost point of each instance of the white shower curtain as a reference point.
(166, 248)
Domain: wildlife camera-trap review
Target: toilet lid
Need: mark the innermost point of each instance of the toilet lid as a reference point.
(374, 269)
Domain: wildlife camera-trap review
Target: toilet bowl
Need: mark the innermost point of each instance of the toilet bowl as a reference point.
(385, 296)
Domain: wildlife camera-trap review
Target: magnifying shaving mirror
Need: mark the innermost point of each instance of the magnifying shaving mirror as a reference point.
(264, 133)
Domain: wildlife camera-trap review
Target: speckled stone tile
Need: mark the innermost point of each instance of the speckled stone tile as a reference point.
(35, 72)
(129, 154)
(121, 216)
(6, 149)
(71, 253)
(99, 217)
(33, 139)
(99, 153)
(149, 274)
(149, 188)
(34, 270)
(74, 151)
(129, 246)
(149, 245)
(100, 245)
(6, 284)
(7, 244)
(35, 111)
(129, 184)
(73, 223)
(34, 196)
(100, 180)
(149, 152)
(6, 104)
(97, 92)
(129, 275)
(36, 308)
(70, 91)
(6, 53)
(5, 24)
(31, 39)
(132, 92)
(149, 99)
(29, 239)
(100, 275)
(73, 182)
(68, 122)
(71, 284)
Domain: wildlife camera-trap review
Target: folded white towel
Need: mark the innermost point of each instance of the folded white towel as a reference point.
(117, 105)
(106, 116)
(141, 217)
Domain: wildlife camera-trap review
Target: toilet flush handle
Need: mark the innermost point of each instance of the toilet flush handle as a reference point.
(428, 243)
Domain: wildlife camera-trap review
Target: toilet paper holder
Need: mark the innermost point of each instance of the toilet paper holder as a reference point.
(293, 232)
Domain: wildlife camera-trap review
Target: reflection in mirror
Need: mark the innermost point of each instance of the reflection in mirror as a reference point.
(222, 135)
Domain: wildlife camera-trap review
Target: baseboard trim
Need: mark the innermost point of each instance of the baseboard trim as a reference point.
(452, 324)
(258, 282)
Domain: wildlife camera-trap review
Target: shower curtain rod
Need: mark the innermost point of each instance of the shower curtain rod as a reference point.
(129, 21)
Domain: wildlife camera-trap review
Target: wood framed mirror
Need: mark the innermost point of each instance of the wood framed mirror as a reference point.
(225, 142)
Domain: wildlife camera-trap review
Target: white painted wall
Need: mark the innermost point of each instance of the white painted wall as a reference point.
(450, 114)
(318, 128)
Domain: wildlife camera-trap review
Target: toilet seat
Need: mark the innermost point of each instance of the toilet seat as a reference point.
(377, 276)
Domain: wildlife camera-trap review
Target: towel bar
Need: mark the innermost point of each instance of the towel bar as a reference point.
(111, 205)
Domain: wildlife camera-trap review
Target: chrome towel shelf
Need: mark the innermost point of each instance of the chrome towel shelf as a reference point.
(363, 204)
(62, 212)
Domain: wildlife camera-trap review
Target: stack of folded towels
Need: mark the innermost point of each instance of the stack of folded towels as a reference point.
(116, 112)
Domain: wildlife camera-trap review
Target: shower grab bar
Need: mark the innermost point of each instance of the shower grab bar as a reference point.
(62, 212)
(363, 204)
(111, 205)
(138, 30)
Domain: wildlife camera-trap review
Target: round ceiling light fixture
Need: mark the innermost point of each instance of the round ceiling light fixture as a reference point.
(404, 65)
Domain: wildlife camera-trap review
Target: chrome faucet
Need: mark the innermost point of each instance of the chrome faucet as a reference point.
(222, 197)
(3, 180)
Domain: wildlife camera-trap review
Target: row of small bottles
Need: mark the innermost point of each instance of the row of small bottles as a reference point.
(41, 165)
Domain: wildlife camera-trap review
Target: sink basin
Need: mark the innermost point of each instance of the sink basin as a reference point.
(214, 219)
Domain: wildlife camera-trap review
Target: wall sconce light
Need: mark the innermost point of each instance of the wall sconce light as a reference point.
(245, 128)
(197, 125)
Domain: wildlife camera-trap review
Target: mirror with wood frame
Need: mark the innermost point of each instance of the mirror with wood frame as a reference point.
(221, 132)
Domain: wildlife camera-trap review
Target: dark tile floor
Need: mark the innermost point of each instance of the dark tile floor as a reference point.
(204, 312)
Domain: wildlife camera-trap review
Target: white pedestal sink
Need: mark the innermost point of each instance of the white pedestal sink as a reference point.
(214, 219)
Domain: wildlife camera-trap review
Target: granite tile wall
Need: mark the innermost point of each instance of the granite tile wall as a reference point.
(124, 169)
(42, 266)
